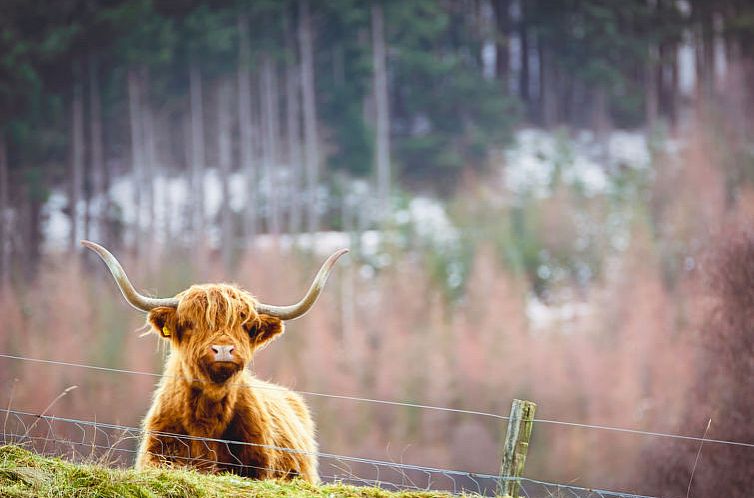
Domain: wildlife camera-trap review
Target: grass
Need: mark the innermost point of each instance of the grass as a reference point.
(25, 474)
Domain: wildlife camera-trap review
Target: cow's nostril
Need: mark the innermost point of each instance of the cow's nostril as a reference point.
(223, 353)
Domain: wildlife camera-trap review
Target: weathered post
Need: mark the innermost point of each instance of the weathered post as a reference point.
(516, 446)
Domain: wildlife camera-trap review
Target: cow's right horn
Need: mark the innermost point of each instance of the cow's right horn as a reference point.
(300, 308)
(138, 301)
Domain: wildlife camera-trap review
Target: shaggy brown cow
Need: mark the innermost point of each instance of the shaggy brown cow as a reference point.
(206, 395)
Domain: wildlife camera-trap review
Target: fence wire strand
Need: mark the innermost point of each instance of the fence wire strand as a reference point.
(644, 433)
(401, 403)
(306, 393)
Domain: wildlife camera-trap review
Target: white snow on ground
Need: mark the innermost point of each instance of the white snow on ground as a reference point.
(429, 221)
(325, 242)
(57, 224)
(564, 317)
(576, 159)
(173, 204)
(532, 163)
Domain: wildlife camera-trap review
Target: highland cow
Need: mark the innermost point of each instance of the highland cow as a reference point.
(206, 396)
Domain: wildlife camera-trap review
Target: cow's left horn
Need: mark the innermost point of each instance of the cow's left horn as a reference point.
(138, 301)
(300, 308)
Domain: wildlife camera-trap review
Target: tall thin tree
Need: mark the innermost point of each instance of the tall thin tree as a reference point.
(311, 145)
(224, 148)
(651, 101)
(548, 103)
(704, 14)
(137, 149)
(4, 221)
(77, 156)
(293, 129)
(98, 168)
(501, 8)
(379, 62)
(523, 36)
(197, 151)
(150, 169)
(271, 129)
(245, 128)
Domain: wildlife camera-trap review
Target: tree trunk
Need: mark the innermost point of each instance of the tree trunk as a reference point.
(601, 119)
(224, 162)
(4, 216)
(197, 152)
(31, 231)
(137, 150)
(347, 293)
(149, 169)
(293, 130)
(382, 110)
(187, 208)
(246, 131)
(77, 157)
(705, 49)
(708, 44)
(673, 99)
(564, 97)
(162, 125)
(311, 146)
(271, 127)
(523, 34)
(338, 65)
(99, 172)
(547, 78)
(502, 41)
(651, 106)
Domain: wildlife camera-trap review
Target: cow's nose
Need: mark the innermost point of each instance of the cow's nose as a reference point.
(223, 353)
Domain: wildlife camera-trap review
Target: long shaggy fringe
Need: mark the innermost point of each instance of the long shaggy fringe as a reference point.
(216, 306)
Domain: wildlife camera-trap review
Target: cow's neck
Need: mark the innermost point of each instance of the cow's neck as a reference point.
(209, 407)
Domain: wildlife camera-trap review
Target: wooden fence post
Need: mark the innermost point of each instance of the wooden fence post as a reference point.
(516, 446)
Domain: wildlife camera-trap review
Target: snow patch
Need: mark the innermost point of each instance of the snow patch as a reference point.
(540, 159)
(565, 317)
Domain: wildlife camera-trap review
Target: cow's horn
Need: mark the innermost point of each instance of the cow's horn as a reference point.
(138, 301)
(300, 308)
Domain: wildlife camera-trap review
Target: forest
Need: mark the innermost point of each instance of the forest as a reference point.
(545, 199)
(307, 100)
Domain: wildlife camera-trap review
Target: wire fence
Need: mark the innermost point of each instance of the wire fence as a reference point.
(117, 445)
(86, 441)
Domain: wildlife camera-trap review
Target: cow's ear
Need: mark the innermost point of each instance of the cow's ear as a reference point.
(164, 321)
(265, 329)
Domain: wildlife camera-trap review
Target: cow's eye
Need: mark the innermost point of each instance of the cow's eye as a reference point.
(184, 330)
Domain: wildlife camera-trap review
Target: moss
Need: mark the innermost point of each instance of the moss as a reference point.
(25, 474)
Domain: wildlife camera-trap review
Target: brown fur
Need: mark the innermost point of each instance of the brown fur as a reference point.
(201, 399)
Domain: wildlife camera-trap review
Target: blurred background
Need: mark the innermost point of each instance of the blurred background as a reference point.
(544, 199)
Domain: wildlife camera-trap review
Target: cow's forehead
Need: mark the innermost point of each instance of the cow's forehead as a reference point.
(216, 305)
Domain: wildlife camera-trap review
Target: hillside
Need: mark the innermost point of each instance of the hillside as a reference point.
(25, 474)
